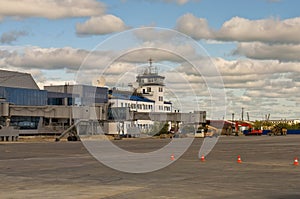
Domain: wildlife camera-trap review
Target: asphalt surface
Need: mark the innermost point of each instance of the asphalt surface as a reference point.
(67, 170)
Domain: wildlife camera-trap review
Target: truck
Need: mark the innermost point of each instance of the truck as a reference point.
(253, 132)
(277, 130)
(246, 128)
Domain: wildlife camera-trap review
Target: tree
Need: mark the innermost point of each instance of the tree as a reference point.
(159, 128)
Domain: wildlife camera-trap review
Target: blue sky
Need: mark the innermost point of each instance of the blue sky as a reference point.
(254, 44)
(45, 32)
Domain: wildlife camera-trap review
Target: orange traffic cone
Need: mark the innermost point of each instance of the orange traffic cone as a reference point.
(172, 157)
(239, 160)
(202, 158)
(296, 163)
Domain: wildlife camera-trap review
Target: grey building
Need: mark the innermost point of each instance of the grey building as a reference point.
(17, 80)
(82, 95)
(20, 89)
(23, 104)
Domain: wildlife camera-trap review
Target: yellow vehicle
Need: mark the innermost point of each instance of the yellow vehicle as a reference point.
(207, 131)
(276, 130)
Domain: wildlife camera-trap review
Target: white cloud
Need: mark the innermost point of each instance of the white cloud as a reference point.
(264, 30)
(250, 82)
(50, 9)
(154, 34)
(53, 58)
(259, 86)
(197, 28)
(256, 67)
(281, 52)
(157, 54)
(100, 25)
(71, 61)
(240, 29)
(237, 73)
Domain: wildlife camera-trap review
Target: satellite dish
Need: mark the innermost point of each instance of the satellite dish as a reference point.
(99, 81)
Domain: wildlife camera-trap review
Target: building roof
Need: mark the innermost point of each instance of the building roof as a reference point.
(75, 89)
(126, 95)
(150, 76)
(17, 80)
(166, 102)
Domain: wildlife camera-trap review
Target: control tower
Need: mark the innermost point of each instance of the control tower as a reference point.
(151, 85)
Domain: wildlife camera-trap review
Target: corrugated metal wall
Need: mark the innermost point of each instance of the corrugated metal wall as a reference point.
(26, 97)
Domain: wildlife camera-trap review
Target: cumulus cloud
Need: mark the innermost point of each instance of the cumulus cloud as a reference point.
(78, 62)
(264, 84)
(9, 37)
(100, 25)
(249, 83)
(232, 71)
(250, 80)
(270, 30)
(53, 58)
(256, 67)
(264, 30)
(153, 34)
(50, 9)
(163, 45)
(157, 54)
(197, 28)
(274, 95)
(281, 52)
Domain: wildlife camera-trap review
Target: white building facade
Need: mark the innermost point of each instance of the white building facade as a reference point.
(148, 96)
(151, 85)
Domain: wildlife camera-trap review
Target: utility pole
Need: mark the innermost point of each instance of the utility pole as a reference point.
(233, 123)
(242, 114)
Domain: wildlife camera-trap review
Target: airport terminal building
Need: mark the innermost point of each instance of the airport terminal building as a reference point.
(57, 107)
(146, 96)
(24, 105)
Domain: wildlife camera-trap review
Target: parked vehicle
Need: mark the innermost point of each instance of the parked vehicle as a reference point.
(210, 131)
(199, 133)
(277, 130)
(253, 132)
(246, 128)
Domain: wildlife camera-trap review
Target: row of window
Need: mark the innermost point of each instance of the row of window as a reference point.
(140, 126)
(145, 106)
(166, 108)
(145, 126)
(151, 80)
(160, 89)
(137, 106)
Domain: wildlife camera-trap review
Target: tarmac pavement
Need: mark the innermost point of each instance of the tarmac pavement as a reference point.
(67, 170)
